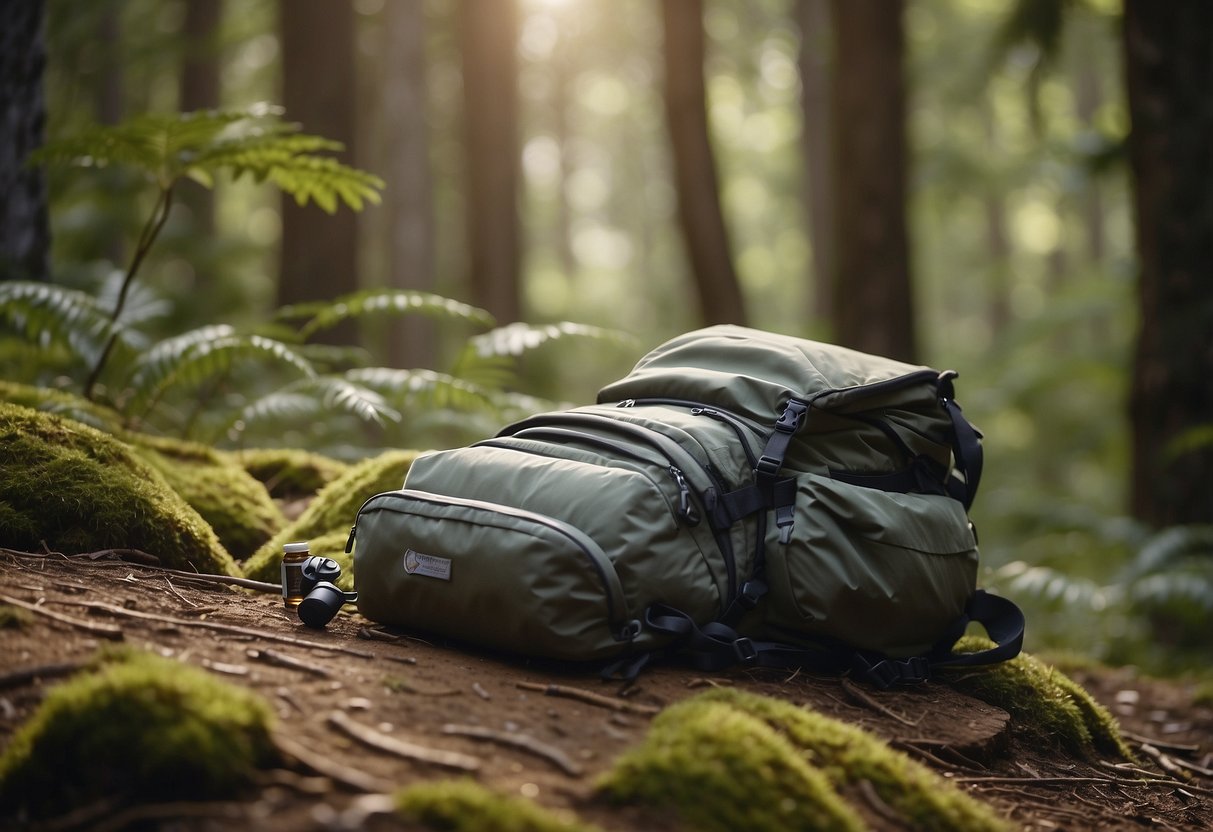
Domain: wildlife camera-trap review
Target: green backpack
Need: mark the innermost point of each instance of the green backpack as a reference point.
(739, 497)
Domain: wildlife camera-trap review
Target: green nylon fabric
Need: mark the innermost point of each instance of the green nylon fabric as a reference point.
(878, 570)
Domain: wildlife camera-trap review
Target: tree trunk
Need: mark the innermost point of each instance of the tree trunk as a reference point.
(699, 211)
(24, 229)
(873, 302)
(409, 200)
(488, 30)
(200, 91)
(814, 59)
(319, 258)
(1169, 69)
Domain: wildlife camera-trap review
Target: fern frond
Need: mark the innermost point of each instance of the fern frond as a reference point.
(206, 353)
(1058, 587)
(201, 144)
(1189, 586)
(1169, 546)
(424, 387)
(326, 314)
(317, 395)
(518, 338)
(42, 310)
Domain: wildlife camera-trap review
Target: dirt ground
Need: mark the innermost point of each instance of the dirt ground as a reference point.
(529, 728)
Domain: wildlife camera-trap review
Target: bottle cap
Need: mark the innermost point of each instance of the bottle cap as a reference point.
(295, 548)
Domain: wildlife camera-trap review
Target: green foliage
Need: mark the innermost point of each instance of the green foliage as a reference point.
(139, 728)
(288, 472)
(733, 760)
(332, 513)
(75, 489)
(465, 806)
(203, 144)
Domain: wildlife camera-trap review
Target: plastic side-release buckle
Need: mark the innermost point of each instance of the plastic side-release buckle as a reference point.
(792, 417)
(752, 591)
(745, 651)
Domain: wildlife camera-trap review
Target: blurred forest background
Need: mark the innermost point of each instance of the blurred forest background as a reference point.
(1021, 190)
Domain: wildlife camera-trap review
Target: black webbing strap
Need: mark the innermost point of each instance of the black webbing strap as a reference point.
(1002, 620)
(781, 437)
(966, 443)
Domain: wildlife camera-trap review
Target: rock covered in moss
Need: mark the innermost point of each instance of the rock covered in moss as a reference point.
(234, 503)
(465, 806)
(333, 511)
(62, 403)
(140, 728)
(730, 760)
(1045, 705)
(288, 472)
(77, 489)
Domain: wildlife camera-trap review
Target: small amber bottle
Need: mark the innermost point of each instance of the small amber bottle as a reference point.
(293, 556)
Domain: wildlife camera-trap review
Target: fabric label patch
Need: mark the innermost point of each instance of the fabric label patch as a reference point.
(431, 566)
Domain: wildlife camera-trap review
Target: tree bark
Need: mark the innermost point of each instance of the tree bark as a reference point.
(815, 70)
(409, 201)
(24, 228)
(488, 31)
(699, 212)
(1169, 73)
(200, 91)
(319, 257)
(873, 300)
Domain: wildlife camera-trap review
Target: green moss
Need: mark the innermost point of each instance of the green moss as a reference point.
(140, 728)
(232, 501)
(13, 618)
(464, 806)
(80, 490)
(849, 756)
(1045, 705)
(333, 511)
(62, 403)
(288, 473)
(1203, 695)
(724, 769)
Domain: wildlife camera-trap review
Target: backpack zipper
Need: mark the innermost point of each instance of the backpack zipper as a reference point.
(700, 409)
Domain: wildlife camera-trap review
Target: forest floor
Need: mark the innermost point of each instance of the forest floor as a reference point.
(532, 729)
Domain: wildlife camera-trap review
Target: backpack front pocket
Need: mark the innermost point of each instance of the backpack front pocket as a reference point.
(488, 574)
(880, 570)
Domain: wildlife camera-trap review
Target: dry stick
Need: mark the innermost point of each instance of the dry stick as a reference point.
(1160, 744)
(351, 778)
(520, 741)
(16, 678)
(1165, 762)
(102, 630)
(282, 660)
(1061, 781)
(407, 750)
(215, 625)
(858, 695)
(591, 698)
(148, 561)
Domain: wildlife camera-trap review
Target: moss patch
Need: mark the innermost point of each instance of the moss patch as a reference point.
(13, 618)
(1045, 705)
(333, 512)
(81, 490)
(464, 806)
(232, 501)
(140, 728)
(62, 403)
(734, 760)
(288, 473)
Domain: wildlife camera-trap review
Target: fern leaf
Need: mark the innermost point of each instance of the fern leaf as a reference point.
(424, 387)
(326, 314)
(518, 338)
(316, 396)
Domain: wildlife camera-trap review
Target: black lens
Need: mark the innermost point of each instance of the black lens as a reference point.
(320, 605)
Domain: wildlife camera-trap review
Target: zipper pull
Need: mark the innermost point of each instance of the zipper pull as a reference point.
(685, 510)
(627, 403)
(349, 542)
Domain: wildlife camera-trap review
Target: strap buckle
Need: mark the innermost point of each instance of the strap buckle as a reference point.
(745, 651)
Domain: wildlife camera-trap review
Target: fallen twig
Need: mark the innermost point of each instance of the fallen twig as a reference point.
(282, 660)
(102, 630)
(856, 694)
(591, 698)
(1062, 781)
(340, 773)
(400, 748)
(524, 742)
(14, 678)
(215, 625)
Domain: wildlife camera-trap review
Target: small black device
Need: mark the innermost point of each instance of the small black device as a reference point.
(321, 596)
